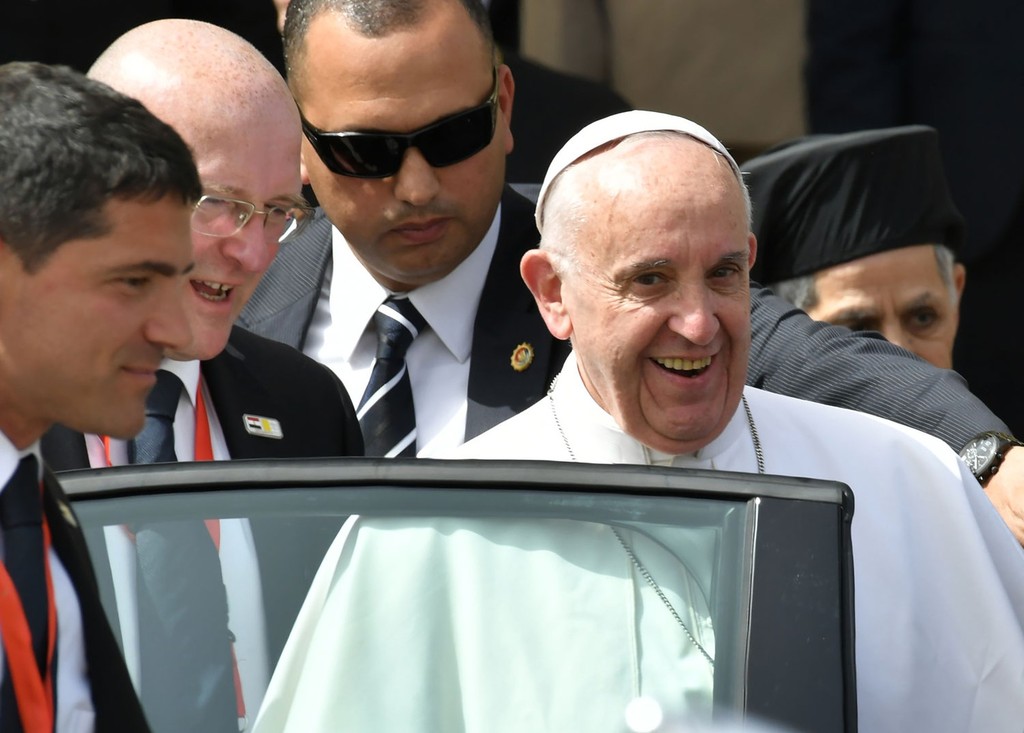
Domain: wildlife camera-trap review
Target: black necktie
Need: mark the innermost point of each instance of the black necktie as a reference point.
(386, 413)
(21, 516)
(155, 444)
(184, 641)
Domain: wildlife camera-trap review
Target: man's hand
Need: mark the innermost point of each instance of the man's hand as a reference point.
(1006, 491)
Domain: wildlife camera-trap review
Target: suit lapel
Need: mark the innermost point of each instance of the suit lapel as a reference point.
(236, 389)
(507, 317)
(64, 449)
(117, 707)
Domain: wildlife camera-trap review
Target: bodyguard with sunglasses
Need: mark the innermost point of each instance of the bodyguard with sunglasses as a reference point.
(409, 175)
(238, 395)
(406, 129)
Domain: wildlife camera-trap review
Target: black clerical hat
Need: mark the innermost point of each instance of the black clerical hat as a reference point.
(822, 200)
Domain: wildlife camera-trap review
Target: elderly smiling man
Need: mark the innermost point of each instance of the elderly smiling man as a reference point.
(644, 265)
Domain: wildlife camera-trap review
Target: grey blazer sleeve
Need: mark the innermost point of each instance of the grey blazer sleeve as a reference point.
(794, 355)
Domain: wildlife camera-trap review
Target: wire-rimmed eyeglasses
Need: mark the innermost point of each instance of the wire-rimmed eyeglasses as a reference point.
(218, 216)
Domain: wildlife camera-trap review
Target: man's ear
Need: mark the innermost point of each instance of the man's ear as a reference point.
(545, 284)
(506, 93)
(959, 279)
(303, 173)
(752, 255)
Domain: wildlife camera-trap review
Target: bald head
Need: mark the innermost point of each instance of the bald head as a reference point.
(192, 74)
(238, 117)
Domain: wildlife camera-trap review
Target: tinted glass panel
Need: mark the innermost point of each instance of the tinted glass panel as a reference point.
(447, 599)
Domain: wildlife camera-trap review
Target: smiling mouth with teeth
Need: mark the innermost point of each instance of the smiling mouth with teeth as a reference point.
(211, 290)
(685, 367)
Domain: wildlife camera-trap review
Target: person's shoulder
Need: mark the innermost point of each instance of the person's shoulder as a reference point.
(244, 343)
(302, 255)
(843, 427)
(318, 227)
(518, 231)
(521, 437)
(293, 279)
(274, 358)
(283, 377)
(518, 203)
(887, 465)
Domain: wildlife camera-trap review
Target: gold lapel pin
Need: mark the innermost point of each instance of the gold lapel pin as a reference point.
(522, 357)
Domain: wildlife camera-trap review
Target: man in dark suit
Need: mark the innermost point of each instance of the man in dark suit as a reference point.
(426, 222)
(95, 207)
(434, 233)
(238, 395)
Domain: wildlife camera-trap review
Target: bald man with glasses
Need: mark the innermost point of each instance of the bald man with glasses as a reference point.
(229, 394)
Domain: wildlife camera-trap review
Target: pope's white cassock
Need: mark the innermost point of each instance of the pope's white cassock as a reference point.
(405, 628)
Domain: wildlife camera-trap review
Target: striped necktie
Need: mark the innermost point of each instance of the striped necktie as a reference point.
(386, 414)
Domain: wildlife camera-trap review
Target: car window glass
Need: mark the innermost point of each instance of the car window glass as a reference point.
(532, 589)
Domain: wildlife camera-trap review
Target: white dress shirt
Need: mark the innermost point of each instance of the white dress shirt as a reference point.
(238, 560)
(75, 713)
(343, 337)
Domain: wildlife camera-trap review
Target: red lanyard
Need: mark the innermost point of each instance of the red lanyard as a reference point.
(32, 690)
(204, 452)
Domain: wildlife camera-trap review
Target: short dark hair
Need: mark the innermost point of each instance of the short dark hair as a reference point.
(68, 146)
(372, 18)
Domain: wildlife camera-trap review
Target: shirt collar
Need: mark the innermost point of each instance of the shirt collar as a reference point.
(449, 305)
(187, 372)
(10, 457)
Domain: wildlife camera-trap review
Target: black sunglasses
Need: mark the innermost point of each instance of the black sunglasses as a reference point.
(379, 154)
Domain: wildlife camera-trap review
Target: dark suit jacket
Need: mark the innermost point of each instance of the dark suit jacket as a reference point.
(257, 376)
(116, 704)
(282, 308)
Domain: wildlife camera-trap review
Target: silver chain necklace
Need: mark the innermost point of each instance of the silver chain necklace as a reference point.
(640, 568)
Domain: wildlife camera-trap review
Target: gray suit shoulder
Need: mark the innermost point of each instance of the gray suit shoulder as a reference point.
(282, 306)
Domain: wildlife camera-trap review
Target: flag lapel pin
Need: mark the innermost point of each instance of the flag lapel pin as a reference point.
(264, 427)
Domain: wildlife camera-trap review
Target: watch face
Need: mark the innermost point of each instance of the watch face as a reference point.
(979, 454)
